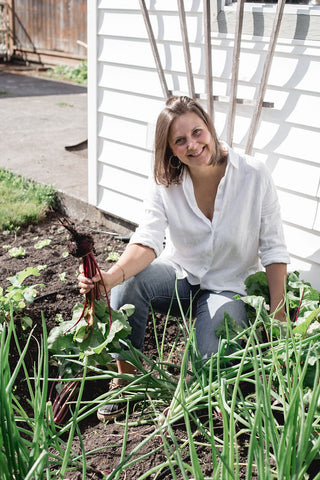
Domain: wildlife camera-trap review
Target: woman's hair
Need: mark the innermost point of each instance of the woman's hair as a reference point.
(165, 172)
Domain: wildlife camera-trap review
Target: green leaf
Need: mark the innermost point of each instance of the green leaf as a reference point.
(62, 276)
(30, 292)
(117, 326)
(257, 284)
(20, 277)
(17, 252)
(42, 243)
(113, 257)
(303, 327)
(26, 322)
(61, 337)
(128, 309)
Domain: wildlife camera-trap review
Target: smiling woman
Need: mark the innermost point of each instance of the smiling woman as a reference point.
(220, 214)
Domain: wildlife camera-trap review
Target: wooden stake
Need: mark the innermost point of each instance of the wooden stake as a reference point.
(208, 55)
(265, 75)
(11, 39)
(235, 72)
(166, 91)
(186, 48)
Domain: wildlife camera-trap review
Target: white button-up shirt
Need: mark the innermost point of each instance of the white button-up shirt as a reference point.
(220, 254)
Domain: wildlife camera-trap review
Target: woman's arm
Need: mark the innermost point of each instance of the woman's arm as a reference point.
(276, 276)
(134, 259)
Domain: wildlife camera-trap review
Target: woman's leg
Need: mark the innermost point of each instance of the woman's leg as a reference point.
(155, 286)
(210, 311)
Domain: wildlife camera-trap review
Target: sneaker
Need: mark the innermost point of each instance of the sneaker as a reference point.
(110, 411)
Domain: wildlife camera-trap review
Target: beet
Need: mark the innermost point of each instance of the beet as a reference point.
(81, 245)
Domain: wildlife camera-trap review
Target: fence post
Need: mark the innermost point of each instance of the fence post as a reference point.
(11, 34)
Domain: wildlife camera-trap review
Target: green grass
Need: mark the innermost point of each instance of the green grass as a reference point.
(22, 202)
(76, 74)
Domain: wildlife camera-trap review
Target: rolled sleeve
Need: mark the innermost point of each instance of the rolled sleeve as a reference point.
(272, 243)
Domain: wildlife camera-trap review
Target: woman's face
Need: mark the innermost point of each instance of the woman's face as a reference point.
(191, 141)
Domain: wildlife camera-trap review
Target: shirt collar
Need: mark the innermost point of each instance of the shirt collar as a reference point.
(233, 157)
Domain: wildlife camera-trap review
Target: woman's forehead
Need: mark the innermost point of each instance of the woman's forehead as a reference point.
(184, 123)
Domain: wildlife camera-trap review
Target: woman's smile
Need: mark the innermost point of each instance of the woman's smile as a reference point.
(197, 154)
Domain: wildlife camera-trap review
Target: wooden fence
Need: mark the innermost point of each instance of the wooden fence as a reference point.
(47, 28)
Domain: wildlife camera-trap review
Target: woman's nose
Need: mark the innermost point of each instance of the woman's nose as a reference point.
(191, 144)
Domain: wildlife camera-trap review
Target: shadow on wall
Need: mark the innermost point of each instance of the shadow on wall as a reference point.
(311, 275)
(260, 24)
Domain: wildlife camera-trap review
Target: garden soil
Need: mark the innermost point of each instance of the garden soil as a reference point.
(59, 295)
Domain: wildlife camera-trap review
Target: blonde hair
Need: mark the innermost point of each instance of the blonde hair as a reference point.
(164, 171)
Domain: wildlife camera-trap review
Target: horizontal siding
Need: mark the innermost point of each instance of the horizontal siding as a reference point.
(119, 205)
(125, 157)
(129, 98)
(122, 181)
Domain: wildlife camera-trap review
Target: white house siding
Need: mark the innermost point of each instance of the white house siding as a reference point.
(125, 97)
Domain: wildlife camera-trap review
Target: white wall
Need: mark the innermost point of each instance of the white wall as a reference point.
(125, 97)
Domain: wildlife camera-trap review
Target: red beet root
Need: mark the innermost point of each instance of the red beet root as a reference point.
(81, 245)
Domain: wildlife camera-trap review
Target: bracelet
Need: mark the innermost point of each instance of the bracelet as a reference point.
(123, 272)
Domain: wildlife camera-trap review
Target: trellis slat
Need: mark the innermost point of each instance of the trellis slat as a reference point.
(166, 91)
(186, 48)
(265, 75)
(235, 72)
(208, 55)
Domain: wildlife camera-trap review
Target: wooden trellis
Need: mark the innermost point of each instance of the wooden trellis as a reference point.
(210, 97)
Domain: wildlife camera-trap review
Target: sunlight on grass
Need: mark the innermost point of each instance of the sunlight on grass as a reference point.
(22, 202)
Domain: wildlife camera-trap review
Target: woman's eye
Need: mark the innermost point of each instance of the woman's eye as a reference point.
(197, 131)
(179, 141)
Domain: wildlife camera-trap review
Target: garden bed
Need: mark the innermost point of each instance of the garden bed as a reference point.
(57, 298)
(45, 244)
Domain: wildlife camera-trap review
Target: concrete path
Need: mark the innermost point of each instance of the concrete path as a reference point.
(38, 119)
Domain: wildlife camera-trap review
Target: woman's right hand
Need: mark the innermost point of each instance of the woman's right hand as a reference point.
(86, 284)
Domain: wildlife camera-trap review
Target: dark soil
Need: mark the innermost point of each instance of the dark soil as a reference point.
(58, 297)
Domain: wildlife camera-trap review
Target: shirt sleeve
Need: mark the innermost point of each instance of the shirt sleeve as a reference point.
(151, 230)
(272, 243)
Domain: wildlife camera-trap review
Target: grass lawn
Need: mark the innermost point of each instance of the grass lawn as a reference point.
(22, 201)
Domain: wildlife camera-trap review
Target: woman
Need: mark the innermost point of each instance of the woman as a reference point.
(219, 214)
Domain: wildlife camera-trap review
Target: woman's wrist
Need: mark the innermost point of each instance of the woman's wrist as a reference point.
(122, 270)
(117, 273)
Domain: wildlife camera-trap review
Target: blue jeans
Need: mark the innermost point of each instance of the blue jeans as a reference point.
(155, 286)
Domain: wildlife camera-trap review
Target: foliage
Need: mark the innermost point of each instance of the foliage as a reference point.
(42, 244)
(17, 252)
(15, 297)
(69, 339)
(22, 201)
(31, 446)
(78, 74)
(258, 394)
(262, 391)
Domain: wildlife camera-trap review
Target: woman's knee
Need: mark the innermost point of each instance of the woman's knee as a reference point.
(154, 280)
(210, 313)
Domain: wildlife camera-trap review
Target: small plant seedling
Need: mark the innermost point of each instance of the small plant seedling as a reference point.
(62, 276)
(42, 243)
(113, 257)
(17, 252)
